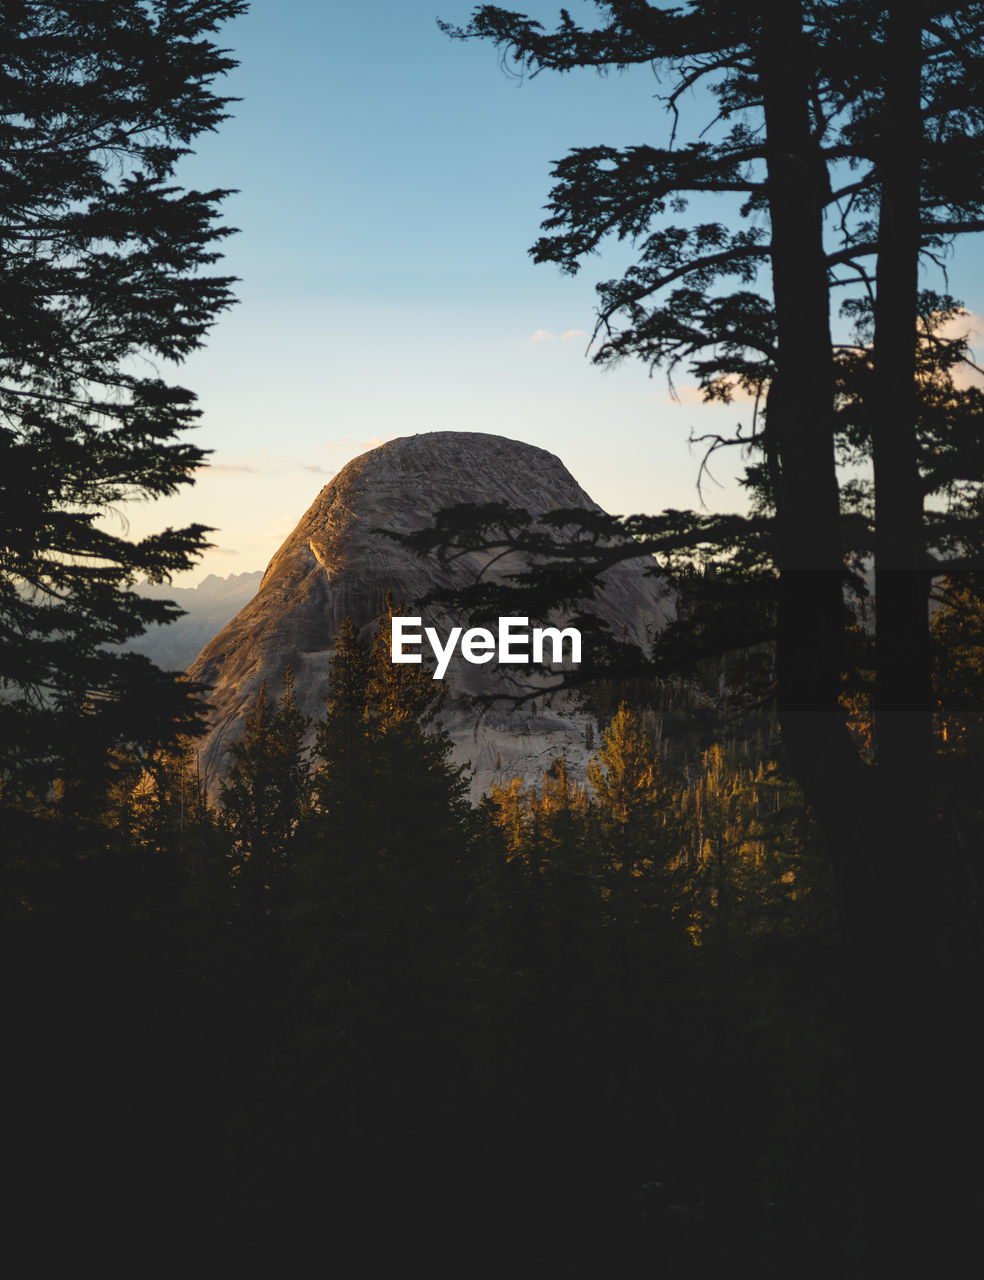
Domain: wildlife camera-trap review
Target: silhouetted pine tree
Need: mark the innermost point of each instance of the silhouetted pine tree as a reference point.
(630, 811)
(368, 1081)
(267, 791)
(105, 263)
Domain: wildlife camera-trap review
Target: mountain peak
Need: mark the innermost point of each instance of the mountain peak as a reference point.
(340, 562)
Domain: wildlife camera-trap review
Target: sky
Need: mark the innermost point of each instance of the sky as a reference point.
(390, 182)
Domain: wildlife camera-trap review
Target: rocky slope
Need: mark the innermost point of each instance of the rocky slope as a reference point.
(338, 563)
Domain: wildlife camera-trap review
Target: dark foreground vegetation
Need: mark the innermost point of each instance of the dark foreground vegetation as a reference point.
(556, 1035)
(566, 1033)
(572, 1032)
(648, 1032)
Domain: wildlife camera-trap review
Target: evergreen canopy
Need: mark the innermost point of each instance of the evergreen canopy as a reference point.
(104, 270)
(844, 142)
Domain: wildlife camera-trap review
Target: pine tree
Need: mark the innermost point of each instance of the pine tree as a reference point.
(342, 777)
(378, 932)
(426, 792)
(383, 848)
(104, 264)
(623, 773)
(266, 793)
(629, 800)
(841, 138)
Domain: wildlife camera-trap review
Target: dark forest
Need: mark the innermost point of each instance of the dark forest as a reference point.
(714, 1013)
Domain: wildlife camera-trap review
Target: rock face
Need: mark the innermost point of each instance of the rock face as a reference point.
(337, 563)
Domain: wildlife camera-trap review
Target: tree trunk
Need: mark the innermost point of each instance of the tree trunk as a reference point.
(883, 918)
(901, 1046)
(800, 424)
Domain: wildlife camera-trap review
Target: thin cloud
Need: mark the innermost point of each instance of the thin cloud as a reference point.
(694, 395)
(685, 395)
(348, 442)
(270, 464)
(548, 335)
(965, 376)
(969, 326)
(965, 324)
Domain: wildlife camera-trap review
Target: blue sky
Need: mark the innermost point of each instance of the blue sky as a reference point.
(390, 184)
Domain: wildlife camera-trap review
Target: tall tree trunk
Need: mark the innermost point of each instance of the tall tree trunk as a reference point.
(901, 1079)
(887, 965)
(903, 705)
(800, 424)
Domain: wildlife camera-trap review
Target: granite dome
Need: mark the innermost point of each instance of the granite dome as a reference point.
(338, 562)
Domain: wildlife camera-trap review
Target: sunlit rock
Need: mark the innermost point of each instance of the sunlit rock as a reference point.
(338, 563)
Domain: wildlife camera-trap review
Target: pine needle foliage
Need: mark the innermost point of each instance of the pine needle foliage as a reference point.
(106, 274)
(267, 790)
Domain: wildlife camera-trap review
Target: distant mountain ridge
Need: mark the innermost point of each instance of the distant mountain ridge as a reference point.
(208, 607)
(340, 562)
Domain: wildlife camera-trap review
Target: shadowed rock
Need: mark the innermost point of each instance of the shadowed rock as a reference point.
(337, 563)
